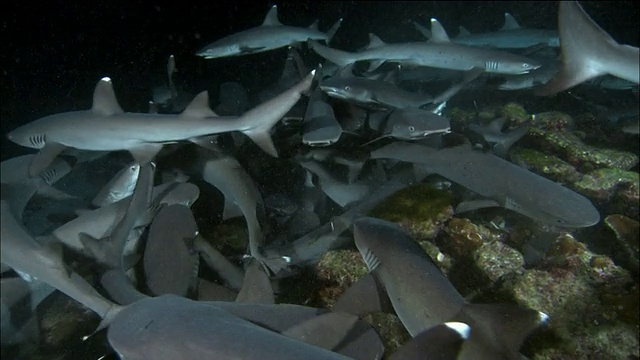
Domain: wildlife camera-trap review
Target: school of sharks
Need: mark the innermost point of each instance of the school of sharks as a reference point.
(343, 131)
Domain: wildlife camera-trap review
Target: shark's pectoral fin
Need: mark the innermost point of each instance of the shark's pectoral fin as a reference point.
(442, 341)
(44, 158)
(472, 205)
(363, 297)
(92, 246)
(53, 193)
(256, 286)
(374, 64)
(326, 331)
(144, 154)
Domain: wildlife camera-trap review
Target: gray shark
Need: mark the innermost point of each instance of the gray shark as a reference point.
(502, 182)
(510, 36)
(269, 36)
(320, 126)
(438, 52)
(225, 173)
(423, 297)
(100, 223)
(374, 93)
(172, 327)
(106, 127)
(21, 252)
(170, 261)
(119, 187)
(588, 52)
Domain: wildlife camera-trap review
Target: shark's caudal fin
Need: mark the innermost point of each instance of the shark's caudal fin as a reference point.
(509, 324)
(263, 117)
(338, 57)
(588, 52)
(442, 341)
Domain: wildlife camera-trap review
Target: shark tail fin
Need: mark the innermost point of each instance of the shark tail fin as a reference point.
(338, 57)
(587, 52)
(510, 323)
(442, 341)
(264, 116)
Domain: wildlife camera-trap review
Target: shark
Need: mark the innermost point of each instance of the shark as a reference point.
(423, 297)
(439, 52)
(373, 93)
(510, 36)
(21, 252)
(170, 261)
(501, 182)
(174, 327)
(269, 36)
(588, 52)
(106, 127)
(119, 187)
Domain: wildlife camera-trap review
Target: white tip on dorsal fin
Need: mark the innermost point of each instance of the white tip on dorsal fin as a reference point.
(272, 17)
(438, 34)
(462, 31)
(510, 22)
(104, 99)
(374, 41)
(199, 107)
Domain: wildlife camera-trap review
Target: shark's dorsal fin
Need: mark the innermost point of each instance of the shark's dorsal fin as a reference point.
(462, 31)
(374, 41)
(346, 72)
(423, 30)
(438, 34)
(510, 23)
(314, 26)
(272, 17)
(104, 99)
(199, 107)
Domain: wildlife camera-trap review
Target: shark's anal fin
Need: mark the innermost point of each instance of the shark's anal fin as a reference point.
(44, 158)
(144, 154)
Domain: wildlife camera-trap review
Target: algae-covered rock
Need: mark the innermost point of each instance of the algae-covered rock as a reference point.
(627, 232)
(464, 237)
(421, 209)
(515, 114)
(546, 165)
(552, 120)
(616, 190)
(586, 157)
(497, 260)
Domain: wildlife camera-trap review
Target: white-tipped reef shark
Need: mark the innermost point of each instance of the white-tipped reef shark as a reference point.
(510, 36)
(269, 36)
(501, 182)
(423, 297)
(106, 127)
(438, 52)
(588, 52)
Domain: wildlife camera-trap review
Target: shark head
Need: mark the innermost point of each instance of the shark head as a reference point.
(515, 65)
(218, 50)
(28, 136)
(410, 124)
(345, 92)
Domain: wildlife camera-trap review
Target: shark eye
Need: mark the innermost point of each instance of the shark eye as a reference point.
(347, 88)
(411, 128)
